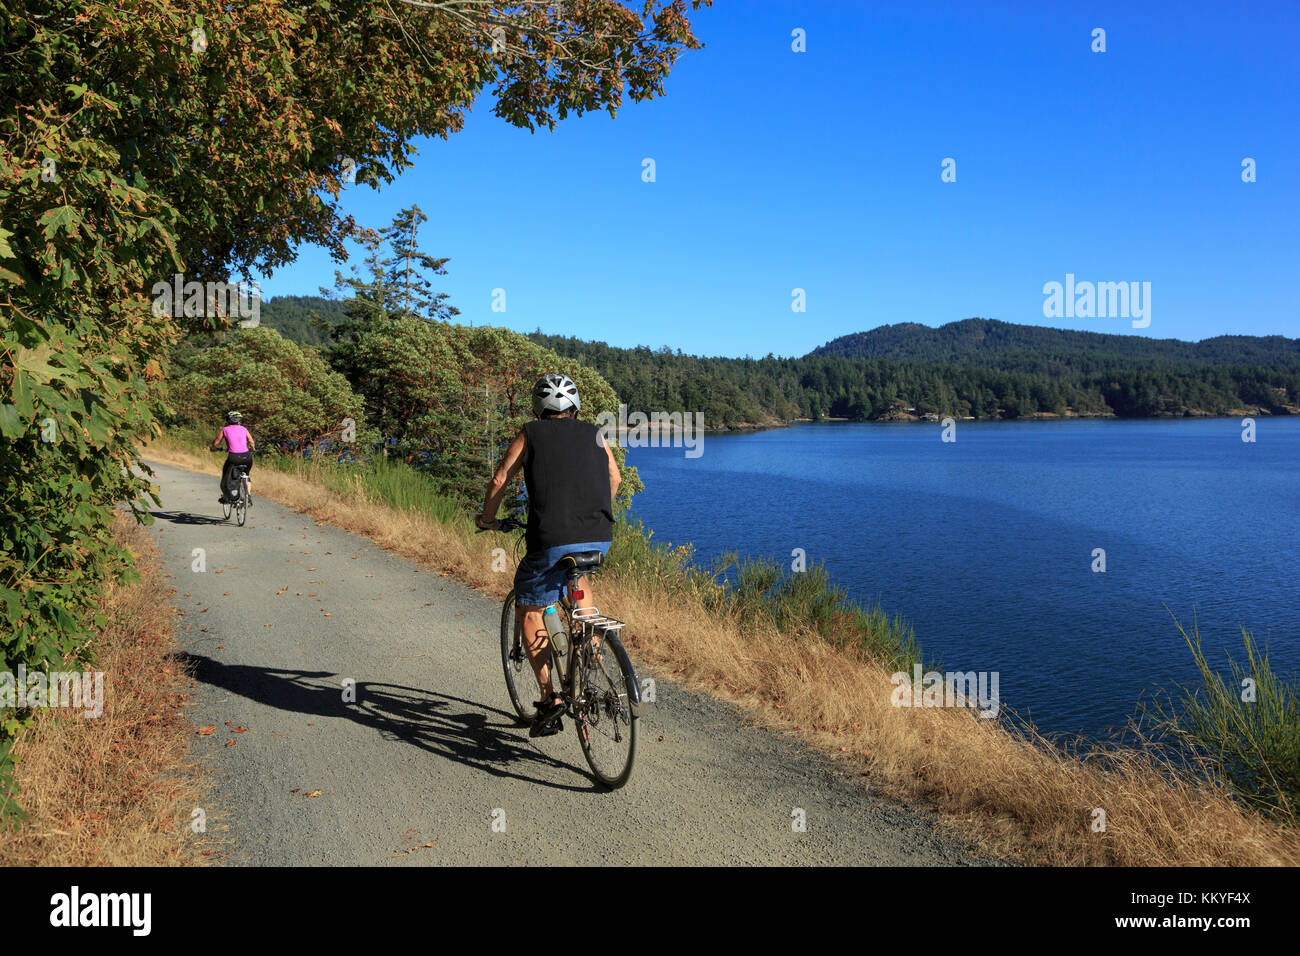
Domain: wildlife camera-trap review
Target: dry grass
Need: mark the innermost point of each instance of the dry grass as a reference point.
(116, 790)
(1014, 794)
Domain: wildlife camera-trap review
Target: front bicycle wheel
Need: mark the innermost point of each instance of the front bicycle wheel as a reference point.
(226, 508)
(608, 700)
(514, 661)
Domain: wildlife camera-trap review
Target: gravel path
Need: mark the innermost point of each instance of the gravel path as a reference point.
(288, 610)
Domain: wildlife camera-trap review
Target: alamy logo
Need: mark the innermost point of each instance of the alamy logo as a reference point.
(951, 689)
(237, 300)
(1101, 300)
(656, 430)
(69, 689)
(103, 909)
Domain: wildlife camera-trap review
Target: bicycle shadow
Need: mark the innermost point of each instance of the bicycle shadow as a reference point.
(182, 517)
(481, 737)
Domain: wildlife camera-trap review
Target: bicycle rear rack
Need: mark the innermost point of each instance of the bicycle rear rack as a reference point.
(591, 619)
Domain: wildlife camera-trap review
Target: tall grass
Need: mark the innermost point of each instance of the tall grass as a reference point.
(763, 594)
(118, 790)
(394, 483)
(1246, 729)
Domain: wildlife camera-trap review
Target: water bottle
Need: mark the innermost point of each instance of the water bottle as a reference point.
(555, 629)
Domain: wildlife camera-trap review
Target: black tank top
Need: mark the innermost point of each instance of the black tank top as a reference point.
(566, 470)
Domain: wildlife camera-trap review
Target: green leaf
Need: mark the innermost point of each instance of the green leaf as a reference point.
(60, 217)
(11, 425)
(22, 396)
(33, 362)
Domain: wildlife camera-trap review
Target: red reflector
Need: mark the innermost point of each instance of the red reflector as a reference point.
(577, 595)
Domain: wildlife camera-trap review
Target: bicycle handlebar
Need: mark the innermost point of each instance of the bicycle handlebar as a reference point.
(506, 524)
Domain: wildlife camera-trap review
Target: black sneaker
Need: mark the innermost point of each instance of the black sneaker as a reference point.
(546, 728)
(547, 721)
(549, 710)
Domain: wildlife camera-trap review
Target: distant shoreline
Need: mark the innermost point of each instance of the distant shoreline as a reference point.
(744, 428)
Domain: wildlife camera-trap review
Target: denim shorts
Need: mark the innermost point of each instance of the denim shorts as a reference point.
(539, 579)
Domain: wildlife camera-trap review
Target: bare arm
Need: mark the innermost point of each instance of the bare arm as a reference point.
(496, 487)
(216, 442)
(614, 477)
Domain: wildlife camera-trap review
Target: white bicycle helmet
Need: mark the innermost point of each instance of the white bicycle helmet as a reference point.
(555, 393)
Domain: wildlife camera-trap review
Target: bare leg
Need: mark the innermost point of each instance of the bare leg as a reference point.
(537, 643)
(587, 600)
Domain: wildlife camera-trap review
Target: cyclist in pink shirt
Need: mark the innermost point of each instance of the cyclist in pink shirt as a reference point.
(239, 451)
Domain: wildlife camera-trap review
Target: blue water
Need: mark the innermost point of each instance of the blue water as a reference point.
(985, 545)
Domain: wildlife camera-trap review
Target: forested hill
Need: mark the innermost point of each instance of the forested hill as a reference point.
(977, 368)
(303, 318)
(1042, 373)
(988, 343)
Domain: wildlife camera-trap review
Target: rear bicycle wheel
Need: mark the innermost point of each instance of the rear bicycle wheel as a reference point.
(226, 508)
(514, 662)
(241, 503)
(606, 711)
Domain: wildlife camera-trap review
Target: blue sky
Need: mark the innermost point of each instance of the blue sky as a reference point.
(821, 170)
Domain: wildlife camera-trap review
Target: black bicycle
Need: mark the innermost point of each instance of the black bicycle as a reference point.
(243, 497)
(591, 672)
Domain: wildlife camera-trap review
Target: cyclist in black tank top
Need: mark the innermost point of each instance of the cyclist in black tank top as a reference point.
(572, 477)
(566, 471)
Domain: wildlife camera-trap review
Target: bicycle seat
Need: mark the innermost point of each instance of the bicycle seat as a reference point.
(583, 560)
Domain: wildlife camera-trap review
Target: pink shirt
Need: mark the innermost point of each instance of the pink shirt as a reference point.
(236, 439)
